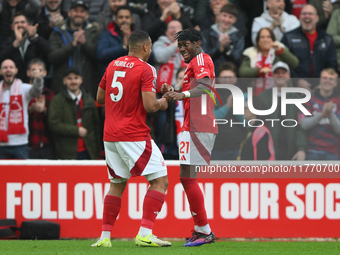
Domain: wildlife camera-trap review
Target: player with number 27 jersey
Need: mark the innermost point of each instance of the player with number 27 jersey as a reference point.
(125, 115)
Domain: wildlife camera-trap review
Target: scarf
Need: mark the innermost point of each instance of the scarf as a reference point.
(15, 113)
(265, 81)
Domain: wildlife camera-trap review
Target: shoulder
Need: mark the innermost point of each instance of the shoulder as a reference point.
(294, 32)
(250, 52)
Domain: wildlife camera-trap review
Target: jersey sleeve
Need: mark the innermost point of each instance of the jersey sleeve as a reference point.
(202, 67)
(148, 78)
(102, 83)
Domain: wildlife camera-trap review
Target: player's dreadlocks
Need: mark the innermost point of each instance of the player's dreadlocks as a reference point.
(189, 34)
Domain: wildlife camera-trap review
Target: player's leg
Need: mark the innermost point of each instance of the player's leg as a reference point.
(118, 174)
(153, 200)
(196, 154)
(112, 204)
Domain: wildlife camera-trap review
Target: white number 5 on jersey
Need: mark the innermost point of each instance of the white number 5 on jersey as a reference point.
(118, 85)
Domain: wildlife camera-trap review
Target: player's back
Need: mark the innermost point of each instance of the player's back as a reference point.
(124, 80)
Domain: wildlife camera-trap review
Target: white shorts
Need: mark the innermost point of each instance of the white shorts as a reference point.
(126, 159)
(195, 148)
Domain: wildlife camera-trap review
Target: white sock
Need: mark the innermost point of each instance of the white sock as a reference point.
(196, 227)
(143, 232)
(105, 234)
(204, 229)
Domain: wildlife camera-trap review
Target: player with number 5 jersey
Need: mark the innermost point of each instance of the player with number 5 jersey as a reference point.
(128, 91)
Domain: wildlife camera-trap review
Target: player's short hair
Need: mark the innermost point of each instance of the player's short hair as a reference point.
(138, 38)
(36, 61)
(123, 7)
(189, 34)
(230, 8)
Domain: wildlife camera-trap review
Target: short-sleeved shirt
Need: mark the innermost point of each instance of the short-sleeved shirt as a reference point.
(199, 67)
(124, 81)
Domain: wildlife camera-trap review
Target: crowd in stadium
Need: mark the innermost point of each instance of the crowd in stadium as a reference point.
(50, 48)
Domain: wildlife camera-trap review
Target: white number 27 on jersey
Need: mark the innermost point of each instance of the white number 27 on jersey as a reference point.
(118, 85)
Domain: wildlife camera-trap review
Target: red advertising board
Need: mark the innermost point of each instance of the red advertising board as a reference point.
(71, 193)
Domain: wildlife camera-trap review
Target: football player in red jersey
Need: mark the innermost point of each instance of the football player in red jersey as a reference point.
(128, 91)
(198, 132)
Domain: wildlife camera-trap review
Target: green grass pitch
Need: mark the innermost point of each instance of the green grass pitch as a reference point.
(82, 247)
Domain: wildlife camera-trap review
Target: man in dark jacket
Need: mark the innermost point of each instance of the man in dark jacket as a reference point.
(113, 42)
(50, 16)
(223, 41)
(314, 48)
(155, 20)
(73, 120)
(23, 45)
(31, 9)
(74, 45)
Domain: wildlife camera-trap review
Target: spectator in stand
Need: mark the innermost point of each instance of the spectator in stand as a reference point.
(252, 9)
(14, 99)
(40, 140)
(324, 9)
(73, 120)
(51, 16)
(113, 42)
(258, 143)
(334, 30)
(313, 47)
(290, 142)
(323, 127)
(229, 138)
(223, 41)
(94, 7)
(105, 17)
(23, 45)
(155, 20)
(74, 45)
(167, 61)
(31, 9)
(276, 19)
(297, 7)
(258, 60)
(207, 14)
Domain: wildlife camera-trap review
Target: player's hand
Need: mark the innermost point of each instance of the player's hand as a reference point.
(300, 155)
(172, 96)
(82, 132)
(166, 88)
(163, 103)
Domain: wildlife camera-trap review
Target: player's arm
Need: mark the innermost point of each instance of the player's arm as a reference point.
(151, 103)
(201, 88)
(100, 95)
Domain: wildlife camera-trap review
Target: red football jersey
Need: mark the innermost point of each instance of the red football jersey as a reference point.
(124, 80)
(199, 67)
